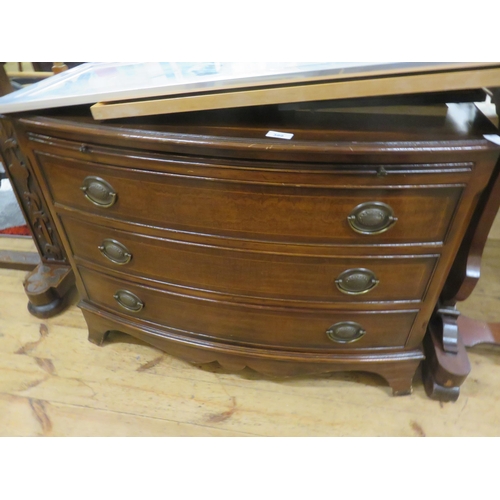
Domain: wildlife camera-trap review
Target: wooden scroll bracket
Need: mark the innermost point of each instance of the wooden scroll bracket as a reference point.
(447, 365)
(443, 372)
(449, 315)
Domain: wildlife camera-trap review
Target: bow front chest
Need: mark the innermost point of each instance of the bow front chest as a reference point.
(202, 236)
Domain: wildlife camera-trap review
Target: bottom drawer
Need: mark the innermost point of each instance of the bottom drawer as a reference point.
(248, 324)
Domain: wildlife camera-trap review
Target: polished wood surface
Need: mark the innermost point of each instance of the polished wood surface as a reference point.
(445, 346)
(221, 189)
(47, 288)
(443, 372)
(474, 332)
(223, 319)
(273, 212)
(53, 382)
(279, 275)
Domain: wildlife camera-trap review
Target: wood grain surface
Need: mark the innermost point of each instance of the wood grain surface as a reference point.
(172, 179)
(359, 88)
(53, 382)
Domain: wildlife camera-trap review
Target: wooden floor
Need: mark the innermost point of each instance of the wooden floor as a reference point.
(53, 382)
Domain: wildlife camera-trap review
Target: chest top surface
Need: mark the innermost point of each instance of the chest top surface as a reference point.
(320, 133)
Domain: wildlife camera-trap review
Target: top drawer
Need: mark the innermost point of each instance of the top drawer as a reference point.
(261, 211)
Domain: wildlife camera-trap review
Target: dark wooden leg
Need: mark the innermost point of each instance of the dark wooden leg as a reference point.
(436, 391)
(97, 336)
(401, 387)
(443, 372)
(400, 379)
(98, 328)
(47, 288)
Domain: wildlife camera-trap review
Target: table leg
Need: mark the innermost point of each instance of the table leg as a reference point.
(449, 333)
(443, 372)
(47, 287)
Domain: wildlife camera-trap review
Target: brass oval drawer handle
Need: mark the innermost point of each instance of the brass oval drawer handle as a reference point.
(356, 281)
(115, 251)
(128, 301)
(345, 332)
(373, 217)
(98, 191)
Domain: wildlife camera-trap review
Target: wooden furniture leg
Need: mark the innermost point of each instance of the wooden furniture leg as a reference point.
(47, 287)
(476, 332)
(53, 278)
(447, 365)
(443, 373)
(401, 380)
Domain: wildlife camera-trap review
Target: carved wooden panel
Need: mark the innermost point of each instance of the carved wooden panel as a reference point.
(29, 195)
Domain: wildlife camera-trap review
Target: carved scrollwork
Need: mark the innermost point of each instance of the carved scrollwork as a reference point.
(449, 314)
(21, 175)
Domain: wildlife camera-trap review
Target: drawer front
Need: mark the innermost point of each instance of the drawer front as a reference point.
(245, 324)
(256, 211)
(255, 274)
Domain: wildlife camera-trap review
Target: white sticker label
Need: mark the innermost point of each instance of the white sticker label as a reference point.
(279, 135)
(492, 138)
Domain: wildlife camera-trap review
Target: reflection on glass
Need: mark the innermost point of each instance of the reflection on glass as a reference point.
(95, 82)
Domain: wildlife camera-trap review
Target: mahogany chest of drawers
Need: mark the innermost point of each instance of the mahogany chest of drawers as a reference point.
(205, 238)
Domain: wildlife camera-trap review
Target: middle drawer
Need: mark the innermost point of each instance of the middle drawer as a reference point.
(251, 273)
